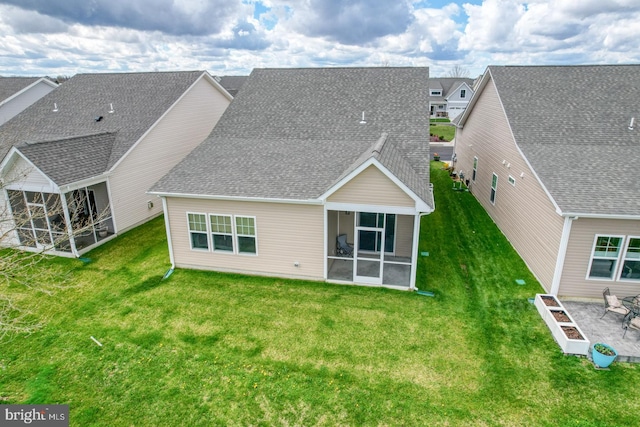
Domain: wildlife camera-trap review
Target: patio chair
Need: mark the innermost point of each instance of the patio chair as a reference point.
(630, 321)
(613, 304)
(342, 247)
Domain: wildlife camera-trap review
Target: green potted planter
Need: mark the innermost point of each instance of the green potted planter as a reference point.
(603, 355)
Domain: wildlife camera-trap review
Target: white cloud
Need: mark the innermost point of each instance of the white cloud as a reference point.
(40, 37)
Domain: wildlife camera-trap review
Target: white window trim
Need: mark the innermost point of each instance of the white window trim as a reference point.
(236, 235)
(592, 257)
(211, 233)
(512, 180)
(207, 232)
(494, 189)
(623, 258)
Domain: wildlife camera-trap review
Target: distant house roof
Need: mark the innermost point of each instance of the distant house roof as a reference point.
(91, 113)
(232, 84)
(572, 125)
(294, 133)
(447, 85)
(9, 86)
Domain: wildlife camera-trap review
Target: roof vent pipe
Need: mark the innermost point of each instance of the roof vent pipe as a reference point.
(55, 107)
(363, 121)
(632, 123)
(110, 108)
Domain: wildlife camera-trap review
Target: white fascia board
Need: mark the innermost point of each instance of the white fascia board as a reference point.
(218, 86)
(25, 89)
(236, 199)
(421, 206)
(85, 183)
(483, 83)
(352, 207)
(577, 215)
(23, 185)
(476, 94)
(153, 126)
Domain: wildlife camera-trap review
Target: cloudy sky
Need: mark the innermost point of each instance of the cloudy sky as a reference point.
(231, 37)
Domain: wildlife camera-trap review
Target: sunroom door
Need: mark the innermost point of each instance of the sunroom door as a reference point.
(370, 237)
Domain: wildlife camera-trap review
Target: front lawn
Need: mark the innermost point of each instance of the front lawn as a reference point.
(203, 348)
(447, 132)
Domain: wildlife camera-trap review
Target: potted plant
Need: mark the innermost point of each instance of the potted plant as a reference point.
(603, 355)
(436, 157)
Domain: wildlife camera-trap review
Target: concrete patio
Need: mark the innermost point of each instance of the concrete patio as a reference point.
(608, 330)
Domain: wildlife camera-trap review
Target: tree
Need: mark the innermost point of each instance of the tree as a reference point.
(458, 71)
(33, 220)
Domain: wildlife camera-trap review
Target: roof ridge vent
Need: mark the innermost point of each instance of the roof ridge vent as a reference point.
(632, 123)
(377, 148)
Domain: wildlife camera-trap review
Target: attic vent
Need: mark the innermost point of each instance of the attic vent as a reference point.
(99, 118)
(632, 123)
(55, 107)
(363, 121)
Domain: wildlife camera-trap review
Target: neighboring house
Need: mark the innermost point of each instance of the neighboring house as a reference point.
(449, 96)
(93, 147)
(553, 154)
(17, 93)
(301, 157)
(232, 84)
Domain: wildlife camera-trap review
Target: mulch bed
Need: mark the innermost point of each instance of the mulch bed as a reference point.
(550, 301)
(560, 316)
(572, 333)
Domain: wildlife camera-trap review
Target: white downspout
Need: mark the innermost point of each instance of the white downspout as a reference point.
(562, 253)
(165, 209)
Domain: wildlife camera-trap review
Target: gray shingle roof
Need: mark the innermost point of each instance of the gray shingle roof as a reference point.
(571, 123)
(293, 133)
(91, 151)
(9, 86)
(232, 84)
(138, 100)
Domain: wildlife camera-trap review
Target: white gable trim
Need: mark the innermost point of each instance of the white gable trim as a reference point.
(20, 92)
(205, 75)
(236, 198)
(483, 83)
(10, 159)
(458, 89)
(421, 206)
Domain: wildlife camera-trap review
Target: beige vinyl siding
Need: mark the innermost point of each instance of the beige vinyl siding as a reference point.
(180, 131)
(583, 231)
(25, 176)
(332, 224)
(523, 212)
(404, 235)
(15, 106)
(371, 187)
(286, 233)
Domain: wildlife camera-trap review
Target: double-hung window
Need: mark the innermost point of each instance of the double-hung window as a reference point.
(475, 169)
(605, 255)
(198, 231)
(494, 188)
(221, 233)
(246, 234)
(631, 260)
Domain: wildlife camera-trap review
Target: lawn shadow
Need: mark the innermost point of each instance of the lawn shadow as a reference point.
(147, 285)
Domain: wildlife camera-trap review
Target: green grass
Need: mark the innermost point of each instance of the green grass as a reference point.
(440, 120)
(204, 348)
(447, 132)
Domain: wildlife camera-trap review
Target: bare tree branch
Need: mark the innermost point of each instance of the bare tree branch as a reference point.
(32, 225)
